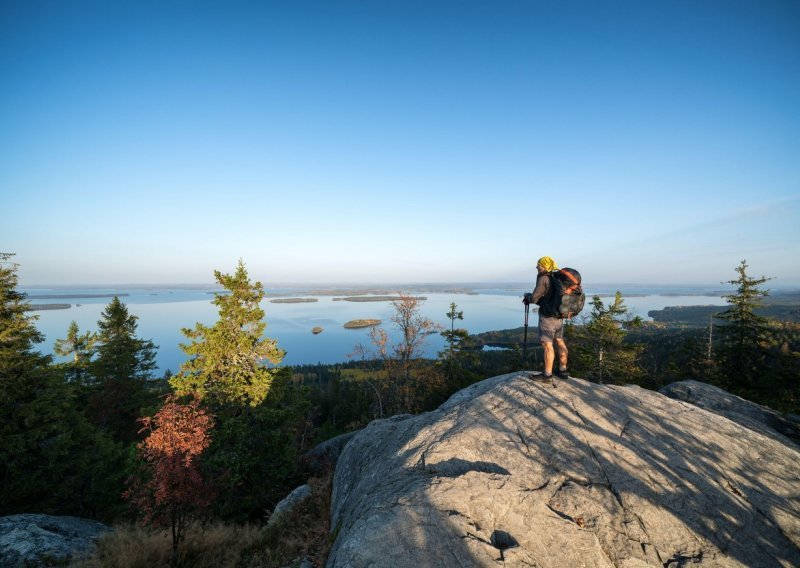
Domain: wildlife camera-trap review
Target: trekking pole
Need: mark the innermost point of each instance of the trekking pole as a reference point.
(525, 340)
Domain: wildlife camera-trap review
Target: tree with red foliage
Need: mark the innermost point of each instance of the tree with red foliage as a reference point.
(172, 489)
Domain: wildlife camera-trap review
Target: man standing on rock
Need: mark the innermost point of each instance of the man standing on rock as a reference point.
(551, 328)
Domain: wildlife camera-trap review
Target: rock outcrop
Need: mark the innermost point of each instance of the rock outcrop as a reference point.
(519, 473)
(744, 412)
(289, 504)
(324, 456)
(45, 540)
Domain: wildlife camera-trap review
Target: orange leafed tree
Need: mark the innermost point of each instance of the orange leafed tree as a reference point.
(171, 488)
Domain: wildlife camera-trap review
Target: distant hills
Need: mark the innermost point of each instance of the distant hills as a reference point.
(784, 306)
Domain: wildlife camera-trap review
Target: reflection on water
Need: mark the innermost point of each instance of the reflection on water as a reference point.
(164, 312)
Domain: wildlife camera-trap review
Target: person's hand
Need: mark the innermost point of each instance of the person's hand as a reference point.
(526, 299)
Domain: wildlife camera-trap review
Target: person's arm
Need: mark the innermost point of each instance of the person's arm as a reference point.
(542, 285)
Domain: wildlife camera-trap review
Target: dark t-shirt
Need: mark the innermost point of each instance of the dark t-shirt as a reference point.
(542, 293)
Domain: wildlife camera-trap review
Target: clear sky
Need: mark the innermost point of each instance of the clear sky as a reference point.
(376, 141)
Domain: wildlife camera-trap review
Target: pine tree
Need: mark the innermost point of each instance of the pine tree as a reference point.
(744, 334)
(81, 347)
(120, 372)
(227, 360)
(456, 358)
(598, 349)
(454, 337)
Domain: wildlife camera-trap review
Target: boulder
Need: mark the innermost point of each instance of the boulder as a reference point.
(289, 503)
(519, 473)
(45, 540)
(748, 414)
(325, 454)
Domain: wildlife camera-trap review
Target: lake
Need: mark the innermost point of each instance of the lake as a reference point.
(162, 312)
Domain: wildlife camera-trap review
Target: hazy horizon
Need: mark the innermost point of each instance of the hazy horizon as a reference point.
(721, 286)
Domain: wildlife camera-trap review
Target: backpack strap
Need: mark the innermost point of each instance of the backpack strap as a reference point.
(570, 276)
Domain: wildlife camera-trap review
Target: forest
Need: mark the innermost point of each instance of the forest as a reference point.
(189, 467)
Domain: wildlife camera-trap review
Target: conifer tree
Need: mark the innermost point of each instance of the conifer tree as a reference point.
(744, 334)
(51, 460)
(598, 349)
(456, 358)
(121, 355)
(123, 365)
(227, 364)
(454, 337)
(233, 369)
(18, 334)
(254, 455)
(81, 347)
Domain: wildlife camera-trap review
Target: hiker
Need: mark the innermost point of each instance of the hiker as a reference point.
(551, 327)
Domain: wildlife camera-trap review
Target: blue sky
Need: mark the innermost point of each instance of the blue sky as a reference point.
(376, 141)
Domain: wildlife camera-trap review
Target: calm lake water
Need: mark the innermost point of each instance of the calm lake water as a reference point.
(163, 312)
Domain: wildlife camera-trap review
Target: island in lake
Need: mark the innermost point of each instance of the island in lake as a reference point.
(71, 296)
(374, 299)
(316, 330)
(359, 323)
(292, 300)
(35, 307)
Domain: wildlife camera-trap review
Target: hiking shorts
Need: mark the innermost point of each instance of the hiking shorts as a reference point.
(550, 329)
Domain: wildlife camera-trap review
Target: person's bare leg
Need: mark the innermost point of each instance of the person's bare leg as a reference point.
(549, 357)
(563, 354)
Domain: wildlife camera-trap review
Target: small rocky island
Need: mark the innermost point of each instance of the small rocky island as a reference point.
(36, 307)
(359, 323)
(316, 330)
(374, 299)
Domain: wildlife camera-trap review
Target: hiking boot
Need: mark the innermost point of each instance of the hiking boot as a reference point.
(562, 374)
(539, 377)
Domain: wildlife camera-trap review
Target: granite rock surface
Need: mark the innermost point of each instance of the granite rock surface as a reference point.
(512, 472)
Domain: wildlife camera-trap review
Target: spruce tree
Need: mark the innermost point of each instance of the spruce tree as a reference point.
(123, 365)
(744, 334)
(18, 334)
(255, 449)
(121, 355)
(598, 349)
(233, 369)
(228, 361)
(51, 459)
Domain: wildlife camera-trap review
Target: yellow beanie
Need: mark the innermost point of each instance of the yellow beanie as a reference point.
(547, 263)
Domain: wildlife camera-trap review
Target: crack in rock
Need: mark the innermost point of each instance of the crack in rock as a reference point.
(561, 514)
(624, 427)
(531, 489)
(524, 441)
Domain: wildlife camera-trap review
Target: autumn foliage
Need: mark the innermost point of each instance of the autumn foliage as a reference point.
(171, 489)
